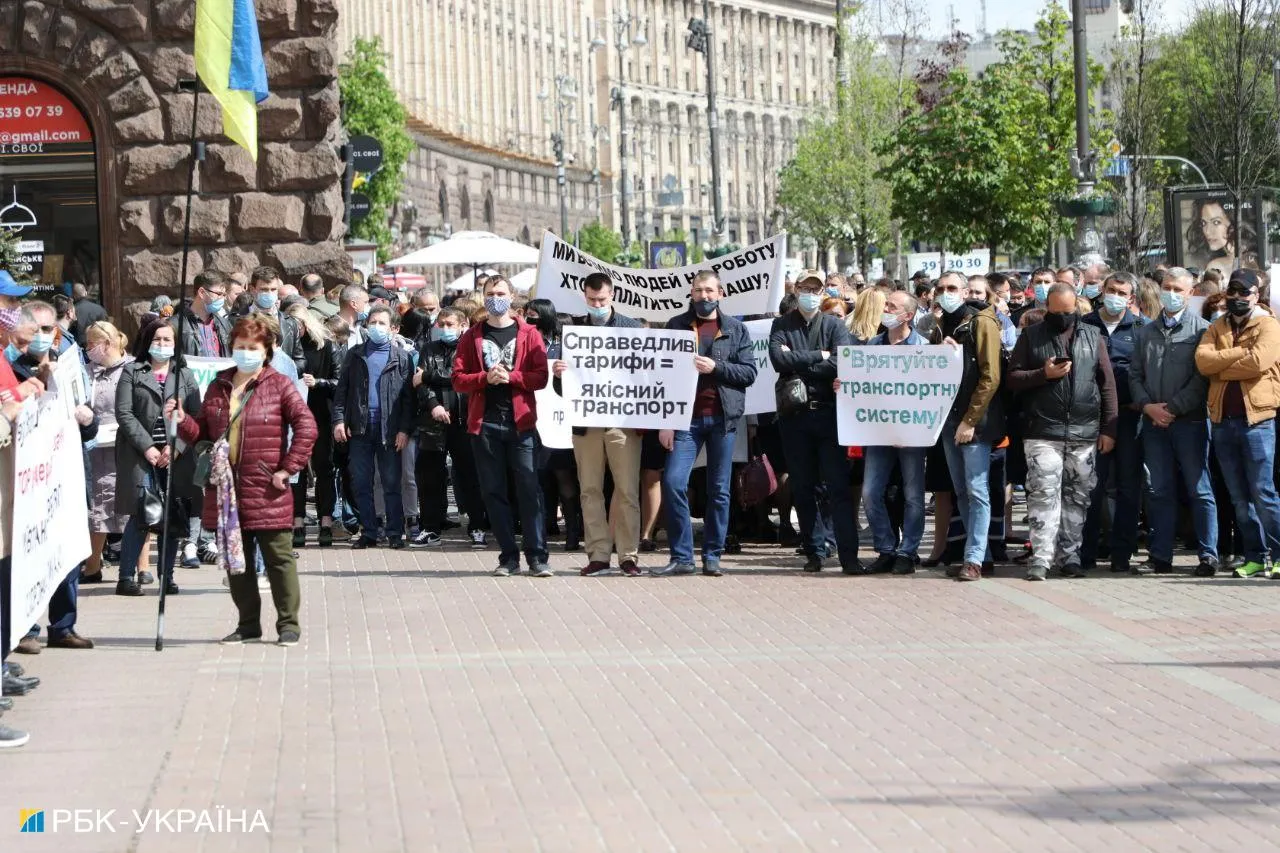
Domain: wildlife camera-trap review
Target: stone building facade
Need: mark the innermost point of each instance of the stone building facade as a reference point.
(120, 62)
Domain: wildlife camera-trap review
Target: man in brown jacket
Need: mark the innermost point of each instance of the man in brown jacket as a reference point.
(1240, 353)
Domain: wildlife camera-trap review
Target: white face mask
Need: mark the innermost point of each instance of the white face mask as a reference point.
(890, 321)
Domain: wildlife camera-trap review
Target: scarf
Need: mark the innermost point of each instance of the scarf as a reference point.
(230, 543)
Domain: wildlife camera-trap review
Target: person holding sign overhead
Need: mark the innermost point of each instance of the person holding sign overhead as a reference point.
(803, 345)
(726, 368)
(599, 448)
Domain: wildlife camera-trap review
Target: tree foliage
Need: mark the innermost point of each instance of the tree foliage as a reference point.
(600, 242)
(832, 191)
(9, 255)
(370, 107)
(983, 160)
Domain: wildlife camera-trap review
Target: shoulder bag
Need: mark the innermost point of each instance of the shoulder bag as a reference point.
(790, 393)
(204, 449)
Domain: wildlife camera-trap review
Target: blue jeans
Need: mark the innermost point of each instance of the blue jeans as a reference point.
(1125, 461)
(711, 433)
(500, 448)
(131, 546)
(814, 455)
(366, 451)
(62, 607)
(970, 466)
(875, 479)
(1246, 455)
(1179, 450)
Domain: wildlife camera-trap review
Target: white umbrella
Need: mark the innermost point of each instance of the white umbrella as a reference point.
(524, 281)
(470, 248)
(467, 281)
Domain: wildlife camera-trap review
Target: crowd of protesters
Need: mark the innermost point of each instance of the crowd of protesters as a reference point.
(1125, 412)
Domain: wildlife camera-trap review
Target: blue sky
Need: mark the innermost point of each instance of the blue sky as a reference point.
(1021, 14)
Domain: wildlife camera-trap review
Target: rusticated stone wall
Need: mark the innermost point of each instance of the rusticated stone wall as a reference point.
(120, 60)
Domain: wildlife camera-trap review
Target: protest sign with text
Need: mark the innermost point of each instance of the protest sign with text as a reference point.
(895, 395)
(760, 396)
(629, 378)
(205, 370)
(553, 427)
(976, 262)
(752, 280)
(50, 535)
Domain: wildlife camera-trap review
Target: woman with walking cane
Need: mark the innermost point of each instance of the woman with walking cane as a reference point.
(247, 414)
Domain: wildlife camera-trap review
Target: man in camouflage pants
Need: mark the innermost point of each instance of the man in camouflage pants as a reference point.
(1061, 371)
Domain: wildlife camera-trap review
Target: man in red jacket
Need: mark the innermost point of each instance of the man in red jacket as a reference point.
(499, 364)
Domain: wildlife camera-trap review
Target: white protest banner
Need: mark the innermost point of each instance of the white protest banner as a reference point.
(1274, 278)
(760, 396)
(752, 280)
(50, 534)
(895, 395)
(976, 262)
(69, 383)
(553, 427)
(206, 370)
(629, 378)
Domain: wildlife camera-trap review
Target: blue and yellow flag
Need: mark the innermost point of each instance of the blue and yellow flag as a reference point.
(229, 62)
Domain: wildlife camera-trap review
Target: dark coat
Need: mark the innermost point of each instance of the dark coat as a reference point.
(139, 402)
(395, 392)
(275, 408)
(799, 359)
(735, 363)
(436, 360)
(191, 335)
(321, 362)
(88, 312)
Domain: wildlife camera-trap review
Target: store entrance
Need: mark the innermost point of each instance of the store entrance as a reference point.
(48, 186)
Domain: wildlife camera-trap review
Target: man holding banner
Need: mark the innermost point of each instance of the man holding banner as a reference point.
(802, 346)
(726, 369)
(599, 448)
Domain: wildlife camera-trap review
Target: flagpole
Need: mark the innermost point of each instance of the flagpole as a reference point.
(179, 360)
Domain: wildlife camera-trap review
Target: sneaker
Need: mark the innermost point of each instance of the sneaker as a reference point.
(971, 572)
(595, 568)
(288, 638)
(1206, 569)
(1154, 567)
(712, 570)
(1037, 573)
(264, 583)
(128, 587)
(236, 638)
(479, 539)
(13, 668)
(70, 640)
(426, 539)
(324, 538)
(503, 571)
(630, 569)
(190, 556)
(883, 564)
(903, 565)
(541, 570)
(1250, 570)
(299, 537)
(12, 738)
(28, 646)
(145, 578)
(208, 553)
(674, 568)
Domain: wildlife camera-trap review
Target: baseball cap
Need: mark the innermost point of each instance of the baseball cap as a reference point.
(377, 292)
(9, 287)
(920, 274)
(811, 274)
(1246, 277)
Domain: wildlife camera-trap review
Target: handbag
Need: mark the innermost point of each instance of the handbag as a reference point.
(790, 393)
(150, 512)
(204, 449)
(756, 481)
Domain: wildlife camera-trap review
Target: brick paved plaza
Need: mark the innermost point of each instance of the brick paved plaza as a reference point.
(431, 707)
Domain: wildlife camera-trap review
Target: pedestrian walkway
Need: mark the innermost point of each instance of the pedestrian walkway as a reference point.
(431, 707)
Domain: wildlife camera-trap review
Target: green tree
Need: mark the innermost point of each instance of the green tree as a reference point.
(832, 191)
(370, 106)
(599, 242)
(984, 160)
(9, 255)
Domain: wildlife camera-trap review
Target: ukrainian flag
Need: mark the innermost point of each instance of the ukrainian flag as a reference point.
(229, 62)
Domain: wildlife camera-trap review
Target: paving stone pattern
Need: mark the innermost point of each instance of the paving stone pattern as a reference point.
(431, 707)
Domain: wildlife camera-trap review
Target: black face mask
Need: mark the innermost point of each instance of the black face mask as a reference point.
(1238, 307)
(705, 307)
(1059, 323)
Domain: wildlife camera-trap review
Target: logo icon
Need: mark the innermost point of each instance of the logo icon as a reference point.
(31, 820)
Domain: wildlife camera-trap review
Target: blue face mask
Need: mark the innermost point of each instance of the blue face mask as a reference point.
(159, 353)
(266, 300)
(1115, 304)
(448, 336)
(1172, 302)
(247, 360)
(809, 302)
(216, 306)
(950, 302)
(599, 313)
(12, 353)
(378, 335)
(1091, 290)
(833, 291)
(362, 316)
(1042, 293)
(40, 344)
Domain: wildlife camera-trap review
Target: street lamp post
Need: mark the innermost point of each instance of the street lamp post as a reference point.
(1089, 245)
(701, 40)
(566, 93)
(628, 31)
